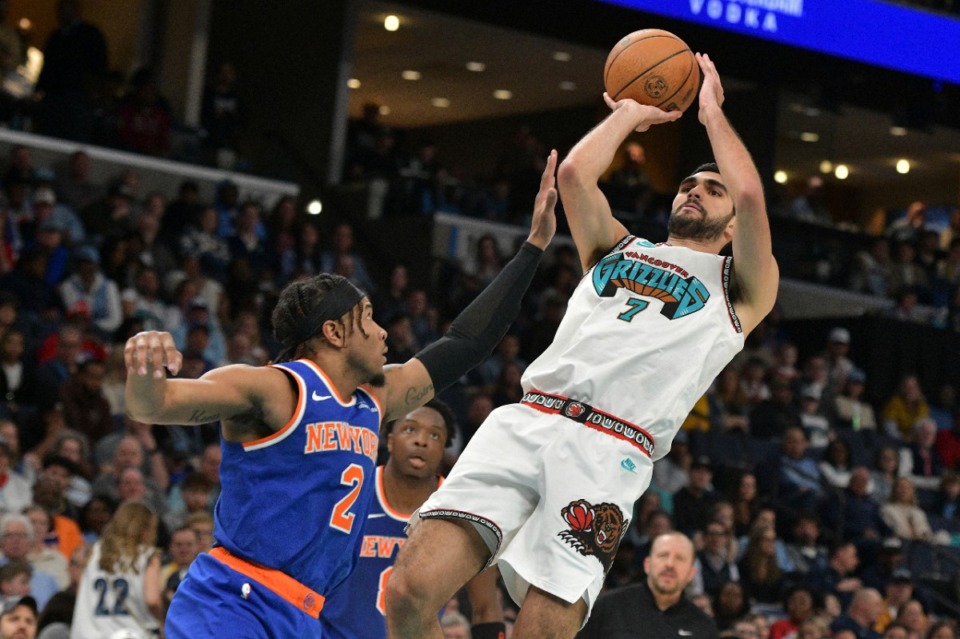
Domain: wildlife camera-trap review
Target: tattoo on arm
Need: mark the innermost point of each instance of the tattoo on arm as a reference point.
(416, 396)
(200, 417)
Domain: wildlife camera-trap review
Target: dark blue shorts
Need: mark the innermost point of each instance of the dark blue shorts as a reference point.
(210, 603)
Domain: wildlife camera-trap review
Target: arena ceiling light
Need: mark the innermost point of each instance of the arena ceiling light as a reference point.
(476, 67)
(502, 94)
(410, 74)
(391, 23)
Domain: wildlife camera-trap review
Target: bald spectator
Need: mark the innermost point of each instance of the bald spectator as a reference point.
(864, 610)
(656, 607)
(16, 539)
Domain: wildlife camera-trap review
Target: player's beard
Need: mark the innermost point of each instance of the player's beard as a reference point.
(375, 378)
(696, 227)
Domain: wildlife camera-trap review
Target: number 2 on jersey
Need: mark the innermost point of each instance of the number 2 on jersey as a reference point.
(342, 518)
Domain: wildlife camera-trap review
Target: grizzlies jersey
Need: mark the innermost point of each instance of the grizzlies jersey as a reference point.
(296, 500)
(355, 610)
(108, 602)
(646, 331)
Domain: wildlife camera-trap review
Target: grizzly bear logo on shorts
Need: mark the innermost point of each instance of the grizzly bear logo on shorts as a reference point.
(594, 530)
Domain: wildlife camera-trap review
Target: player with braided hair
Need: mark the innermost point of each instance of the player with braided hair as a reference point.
(299, 439)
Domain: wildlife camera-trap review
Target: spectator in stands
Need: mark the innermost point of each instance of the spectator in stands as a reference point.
(948, 443)
(746, 502)
(835, 465)
(714, 566)
(839, 576)
(183, 549)
(914, 617)
(760, 571)
(86, 408)
(38, 301)
(221, 117)
(853, 508)
(486, 261)
(96, 515)
(897, 591)
(508, 352)
(75, 189)
(15, 492)
(74, 64)
(873, 269)
(41, 555)
(66, 218)
(944, 629)
(16, 539)
(849, 409)
(731, 604)
(839, 364)
(728, 402)
(809, 206)
(907, 229)
(806, 551)
(772, 418)
(907, 274)
(814, 423)
(202, 241)
(904, 517)
(800, 480)
(800, 603)
(628, 188)
(143, 301)
(121, 485)
(692, 503)
(202, 525)
(885, 472)
(753, 381)
(671, 473)
(924, 463)
(248, 243)
(391, 298)
(145, 116)
(51, 374)
(49, 240)
(454, 625)
(865, 608)
(947, 502)
(87, 289)
(904, 408)
(341, 243)
(16, 371)
(67, 464)
(197, 314)
(302, 257)
(401, 342)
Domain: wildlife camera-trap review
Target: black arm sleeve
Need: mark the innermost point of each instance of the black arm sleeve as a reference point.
(479, 327)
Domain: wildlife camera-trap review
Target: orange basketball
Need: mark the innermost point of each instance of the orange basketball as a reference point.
(653, 67)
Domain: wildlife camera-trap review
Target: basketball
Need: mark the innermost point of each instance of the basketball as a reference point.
(654, 67)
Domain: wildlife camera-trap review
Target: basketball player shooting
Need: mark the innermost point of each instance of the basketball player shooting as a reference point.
(299, 439)
(545, 487)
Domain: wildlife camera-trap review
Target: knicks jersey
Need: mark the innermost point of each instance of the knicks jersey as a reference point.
(112, 601)
(646, 331)
(355, 610)
(297, 499)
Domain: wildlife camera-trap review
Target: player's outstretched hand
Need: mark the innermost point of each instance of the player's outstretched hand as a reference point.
(644, 115)
(711, 91)
(149, 351)
(544, 223)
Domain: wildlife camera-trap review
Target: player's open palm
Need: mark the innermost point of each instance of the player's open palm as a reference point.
(711, 91)
(544, 223)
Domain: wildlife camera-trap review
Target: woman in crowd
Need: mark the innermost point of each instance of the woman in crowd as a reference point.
(120, 587)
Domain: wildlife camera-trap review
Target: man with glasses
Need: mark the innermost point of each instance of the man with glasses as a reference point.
(714, 567)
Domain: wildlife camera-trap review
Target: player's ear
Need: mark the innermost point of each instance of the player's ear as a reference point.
(390, 442)
(333, 333)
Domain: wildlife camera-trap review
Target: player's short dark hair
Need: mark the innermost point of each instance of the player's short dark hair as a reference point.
(196, 481)
(446, 413)
(706, 166)
(294, 308)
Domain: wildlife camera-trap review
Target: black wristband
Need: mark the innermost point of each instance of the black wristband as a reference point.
(492, 630)
(479, 327)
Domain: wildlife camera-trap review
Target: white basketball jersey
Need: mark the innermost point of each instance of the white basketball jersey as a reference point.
(108, 601)
(646, 331)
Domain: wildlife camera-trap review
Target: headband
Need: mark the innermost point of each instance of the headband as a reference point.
(335, 303)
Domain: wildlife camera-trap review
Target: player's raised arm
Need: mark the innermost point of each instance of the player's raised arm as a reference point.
(756, 269)
(592, 224)
(221, 394)
(479, 327)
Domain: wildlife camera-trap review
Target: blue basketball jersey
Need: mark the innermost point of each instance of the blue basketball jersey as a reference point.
(297, 499)
(355, 610)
